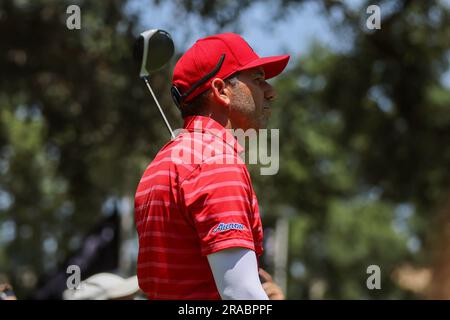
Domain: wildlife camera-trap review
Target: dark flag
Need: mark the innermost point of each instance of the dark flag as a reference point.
(99, 252)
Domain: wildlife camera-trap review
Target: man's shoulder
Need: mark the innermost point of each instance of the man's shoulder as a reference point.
(190, 151)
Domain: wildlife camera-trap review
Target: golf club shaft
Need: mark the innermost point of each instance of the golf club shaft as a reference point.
(159, 107)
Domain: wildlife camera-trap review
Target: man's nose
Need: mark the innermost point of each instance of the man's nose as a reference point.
(269, 92)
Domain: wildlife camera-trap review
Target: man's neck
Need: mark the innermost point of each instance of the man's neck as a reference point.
(221, 118)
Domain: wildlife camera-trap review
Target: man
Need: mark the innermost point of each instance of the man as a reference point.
(196, 212)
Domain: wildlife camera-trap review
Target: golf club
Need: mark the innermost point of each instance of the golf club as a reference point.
(153, 50)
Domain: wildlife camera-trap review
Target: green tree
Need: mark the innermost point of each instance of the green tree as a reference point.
(77, 126)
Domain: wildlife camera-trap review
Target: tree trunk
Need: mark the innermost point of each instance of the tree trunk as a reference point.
(440, 283)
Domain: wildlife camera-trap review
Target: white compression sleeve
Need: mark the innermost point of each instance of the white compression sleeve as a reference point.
(235, 272)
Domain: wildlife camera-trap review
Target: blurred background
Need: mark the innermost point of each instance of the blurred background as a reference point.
(364, 119)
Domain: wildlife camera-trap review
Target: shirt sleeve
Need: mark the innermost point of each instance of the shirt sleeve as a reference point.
(218, 199)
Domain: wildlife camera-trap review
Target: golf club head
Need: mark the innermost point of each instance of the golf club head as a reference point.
(153, 50)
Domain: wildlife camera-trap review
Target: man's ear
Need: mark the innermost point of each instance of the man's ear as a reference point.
(220, 92)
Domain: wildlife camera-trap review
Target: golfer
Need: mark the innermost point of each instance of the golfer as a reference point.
(196, 213)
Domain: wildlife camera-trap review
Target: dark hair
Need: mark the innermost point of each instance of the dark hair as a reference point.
(196, 106)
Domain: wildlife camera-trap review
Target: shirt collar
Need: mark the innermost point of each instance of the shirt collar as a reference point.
(208, 125)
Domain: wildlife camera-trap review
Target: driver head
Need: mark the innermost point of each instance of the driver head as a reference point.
(153, 50)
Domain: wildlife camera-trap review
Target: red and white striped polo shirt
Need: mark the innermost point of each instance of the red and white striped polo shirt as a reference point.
(194, 199)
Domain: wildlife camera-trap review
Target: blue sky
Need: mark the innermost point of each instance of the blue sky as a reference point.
(293, 35)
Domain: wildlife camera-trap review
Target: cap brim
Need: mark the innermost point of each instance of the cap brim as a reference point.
(272, 66)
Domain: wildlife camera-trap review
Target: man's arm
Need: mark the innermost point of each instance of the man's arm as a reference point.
(235, 272)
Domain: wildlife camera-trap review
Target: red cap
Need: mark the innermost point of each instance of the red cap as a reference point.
(205, 55)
